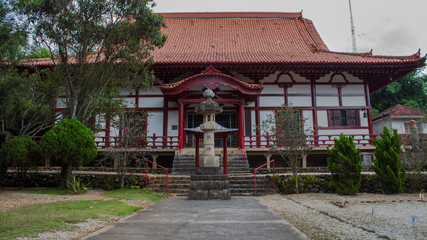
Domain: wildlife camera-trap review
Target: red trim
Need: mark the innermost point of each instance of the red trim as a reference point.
(342, 127)
(314, 104)
(312, 108)
(165, 118)
(299, 94)
(368, 103)
(339, 95)
(212, 79)
(181, 124)
(137, 98)
(338, 73)
(257, 120)
(107, 131)
(241, 126)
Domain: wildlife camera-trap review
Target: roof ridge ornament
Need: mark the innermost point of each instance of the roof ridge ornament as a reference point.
(211, 69)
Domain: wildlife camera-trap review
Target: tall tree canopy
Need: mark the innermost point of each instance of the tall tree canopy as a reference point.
(96, 45)
(25, 101)
(410, 91)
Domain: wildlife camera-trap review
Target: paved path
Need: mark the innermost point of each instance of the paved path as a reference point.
(179, 218)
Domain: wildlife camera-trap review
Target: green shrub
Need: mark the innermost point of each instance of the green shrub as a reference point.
(344, 162)
(387, 163)
(22, 153)
(72, 144)
(287, 184)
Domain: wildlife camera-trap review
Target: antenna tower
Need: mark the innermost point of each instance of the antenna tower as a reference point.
(353, 38)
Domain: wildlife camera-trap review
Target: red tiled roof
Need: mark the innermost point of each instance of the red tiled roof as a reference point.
(245, 38)
(400, 111)
(213, 38)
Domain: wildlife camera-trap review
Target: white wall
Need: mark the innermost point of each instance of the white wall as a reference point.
(173, 119)
(155, 123)
(148, 102)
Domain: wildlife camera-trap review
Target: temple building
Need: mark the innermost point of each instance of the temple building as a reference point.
(255, 62)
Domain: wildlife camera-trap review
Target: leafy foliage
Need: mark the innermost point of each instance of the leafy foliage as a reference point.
(71, 143)
(13, 34)
(290, 140)
(387, 163)
(410, 91)
(344, 162)
(133, 127)
(22, 153)
(96, 46)
(25, 103)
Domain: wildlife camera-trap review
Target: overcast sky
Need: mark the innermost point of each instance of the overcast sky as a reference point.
(389, 27)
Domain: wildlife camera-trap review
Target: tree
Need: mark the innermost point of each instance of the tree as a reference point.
(387, 163)
(410, 91)
(96, 46)
(72, 144)
(290, 140)
(26, 103)
(127, 151)
(22, 153)
(344, 162)
(13, 34)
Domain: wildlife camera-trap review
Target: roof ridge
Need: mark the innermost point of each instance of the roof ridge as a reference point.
(210, 15)
(414, 56)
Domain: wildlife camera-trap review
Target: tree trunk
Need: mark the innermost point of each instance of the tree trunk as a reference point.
(296, 182)
(66, 172)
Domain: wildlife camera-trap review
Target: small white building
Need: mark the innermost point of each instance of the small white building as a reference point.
(398, 117)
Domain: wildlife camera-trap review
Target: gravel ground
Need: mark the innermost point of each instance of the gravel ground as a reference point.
(10, 199)
(330, 216)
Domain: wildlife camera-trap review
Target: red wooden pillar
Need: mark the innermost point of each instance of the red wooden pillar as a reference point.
(368, 104)
(165, 121)
(107, 131)
(197, 151)
(257, 122)
(225, 160)
(241, 125)
(314, 105)
(181, 125)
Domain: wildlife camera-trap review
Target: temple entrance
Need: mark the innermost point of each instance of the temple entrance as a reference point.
(227, 119)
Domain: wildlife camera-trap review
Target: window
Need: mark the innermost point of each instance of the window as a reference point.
(344, 118)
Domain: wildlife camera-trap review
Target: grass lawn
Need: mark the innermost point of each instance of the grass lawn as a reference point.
(135, 194)
(31, 220)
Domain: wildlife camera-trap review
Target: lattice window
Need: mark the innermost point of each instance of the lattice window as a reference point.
(344, 118)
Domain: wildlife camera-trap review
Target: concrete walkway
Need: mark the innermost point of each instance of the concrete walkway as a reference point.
(179, 218)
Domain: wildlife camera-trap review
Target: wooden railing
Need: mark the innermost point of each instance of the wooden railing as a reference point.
(264, 141)
(152, 142)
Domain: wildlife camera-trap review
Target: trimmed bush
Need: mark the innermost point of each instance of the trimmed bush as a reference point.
(387, 163)
(344, 162)
(72, 144)
(22, 153)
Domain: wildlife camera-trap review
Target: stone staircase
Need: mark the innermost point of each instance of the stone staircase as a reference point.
(178, 185)
(243, 185)
(186, 162)
(240, 185)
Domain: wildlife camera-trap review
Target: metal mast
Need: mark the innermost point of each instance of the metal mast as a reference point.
(353, 38)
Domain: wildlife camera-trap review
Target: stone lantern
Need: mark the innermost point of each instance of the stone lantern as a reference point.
(209, 181)
(209, 109)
